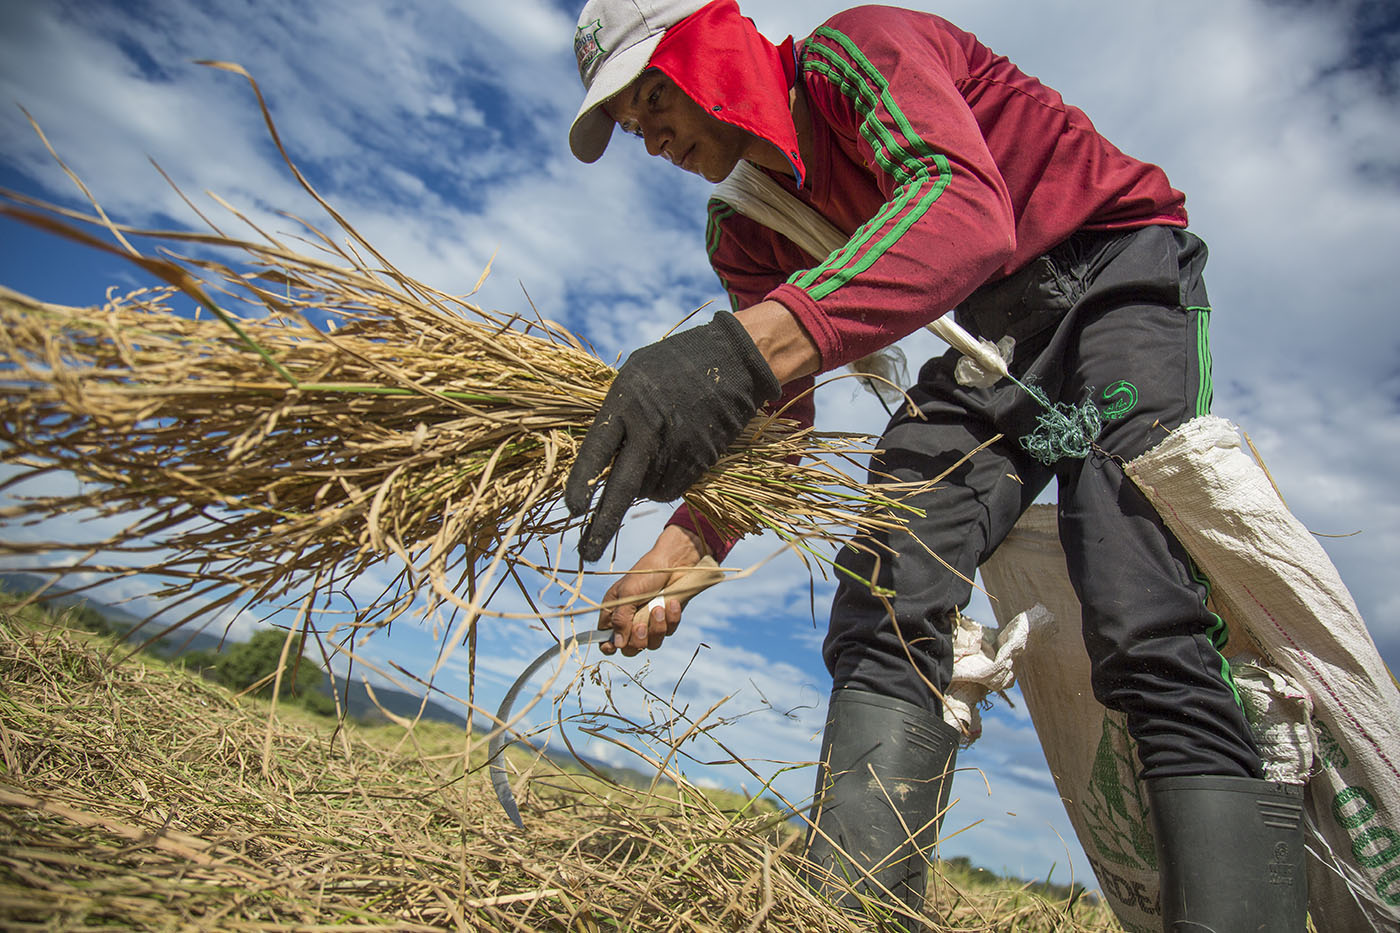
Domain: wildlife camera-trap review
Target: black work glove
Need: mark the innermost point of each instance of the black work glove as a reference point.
(671, 413)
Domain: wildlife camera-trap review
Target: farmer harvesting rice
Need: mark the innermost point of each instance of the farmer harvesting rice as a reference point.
(960, 182)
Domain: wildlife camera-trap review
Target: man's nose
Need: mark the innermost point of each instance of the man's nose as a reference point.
(655, 137)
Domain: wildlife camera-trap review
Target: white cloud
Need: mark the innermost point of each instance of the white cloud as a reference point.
(438, 129)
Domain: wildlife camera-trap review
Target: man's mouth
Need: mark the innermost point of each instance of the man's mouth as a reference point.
(682, 160)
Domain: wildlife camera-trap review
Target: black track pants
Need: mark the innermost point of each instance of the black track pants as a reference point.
(1120, 319)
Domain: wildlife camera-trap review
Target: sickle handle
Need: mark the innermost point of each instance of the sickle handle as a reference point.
(699, 578)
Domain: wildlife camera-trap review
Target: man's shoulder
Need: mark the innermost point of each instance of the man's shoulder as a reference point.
(885, 35)
(875, 20)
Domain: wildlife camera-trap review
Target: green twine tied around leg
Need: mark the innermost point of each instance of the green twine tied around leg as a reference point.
(1063, 430)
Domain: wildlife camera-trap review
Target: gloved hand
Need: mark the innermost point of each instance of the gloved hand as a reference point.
(671, 413)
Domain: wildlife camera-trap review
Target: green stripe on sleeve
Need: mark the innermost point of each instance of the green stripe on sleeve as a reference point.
(718, 211)
(912, 165)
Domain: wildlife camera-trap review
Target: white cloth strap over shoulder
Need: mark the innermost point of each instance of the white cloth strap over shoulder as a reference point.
(761, 199)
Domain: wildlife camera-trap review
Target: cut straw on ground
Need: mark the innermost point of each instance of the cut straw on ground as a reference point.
(132, 798)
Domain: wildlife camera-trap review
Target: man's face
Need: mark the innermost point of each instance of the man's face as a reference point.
(677, 128)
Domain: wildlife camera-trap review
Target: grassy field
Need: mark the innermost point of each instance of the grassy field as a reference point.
(138, 796)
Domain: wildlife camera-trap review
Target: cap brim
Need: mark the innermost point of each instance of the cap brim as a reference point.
(592, 128)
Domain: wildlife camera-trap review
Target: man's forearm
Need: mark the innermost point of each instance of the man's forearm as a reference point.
(782, 341)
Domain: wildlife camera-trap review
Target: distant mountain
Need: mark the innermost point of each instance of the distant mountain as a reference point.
(399, 702)
(119, 621)
(22, 584)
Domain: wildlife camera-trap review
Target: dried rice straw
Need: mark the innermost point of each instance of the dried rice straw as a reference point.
(334, 413)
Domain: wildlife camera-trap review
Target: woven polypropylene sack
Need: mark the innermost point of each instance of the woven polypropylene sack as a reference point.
(1274, 580)
(1090, 755)
(1285, 603)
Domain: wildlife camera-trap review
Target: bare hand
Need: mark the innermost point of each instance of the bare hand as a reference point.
(675, 554)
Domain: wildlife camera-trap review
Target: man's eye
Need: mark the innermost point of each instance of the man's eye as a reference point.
(655, 96)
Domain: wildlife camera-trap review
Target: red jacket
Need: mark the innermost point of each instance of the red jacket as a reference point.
(946, 165)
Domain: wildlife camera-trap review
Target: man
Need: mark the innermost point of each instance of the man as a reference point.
(961, 183)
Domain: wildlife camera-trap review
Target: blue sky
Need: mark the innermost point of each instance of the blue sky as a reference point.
(440, 128)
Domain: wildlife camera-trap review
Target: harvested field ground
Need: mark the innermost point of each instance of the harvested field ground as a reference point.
(137, 796)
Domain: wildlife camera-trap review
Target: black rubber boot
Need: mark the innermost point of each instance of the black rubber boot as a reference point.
(885, 765)
(1230, 853)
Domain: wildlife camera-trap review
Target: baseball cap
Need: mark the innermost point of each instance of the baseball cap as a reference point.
(613, 44)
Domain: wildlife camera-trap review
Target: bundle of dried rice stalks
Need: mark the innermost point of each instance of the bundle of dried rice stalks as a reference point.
(324, 411)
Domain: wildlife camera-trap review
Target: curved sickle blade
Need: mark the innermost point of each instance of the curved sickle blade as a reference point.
(500, 780)
(705, 574)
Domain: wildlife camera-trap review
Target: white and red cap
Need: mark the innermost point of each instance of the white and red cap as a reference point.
(613, 44)
(708, 48)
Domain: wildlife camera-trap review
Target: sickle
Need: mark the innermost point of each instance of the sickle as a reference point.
(705, 574)
(499, 779)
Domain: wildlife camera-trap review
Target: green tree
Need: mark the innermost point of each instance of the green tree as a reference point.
(317, 702)
(200, 660)
(91, 619)
(254, 660)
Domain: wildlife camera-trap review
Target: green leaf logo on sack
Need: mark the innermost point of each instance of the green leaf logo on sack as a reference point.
(1116, 812)
(587, 49)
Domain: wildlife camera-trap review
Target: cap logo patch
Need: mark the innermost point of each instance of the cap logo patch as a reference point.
(587, 49)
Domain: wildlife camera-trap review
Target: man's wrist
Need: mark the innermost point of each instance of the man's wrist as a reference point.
(684, 545)
(781, 339)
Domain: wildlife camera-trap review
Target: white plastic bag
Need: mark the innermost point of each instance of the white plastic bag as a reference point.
(984, 661)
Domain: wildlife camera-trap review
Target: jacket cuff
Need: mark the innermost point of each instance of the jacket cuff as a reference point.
(691, 521)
